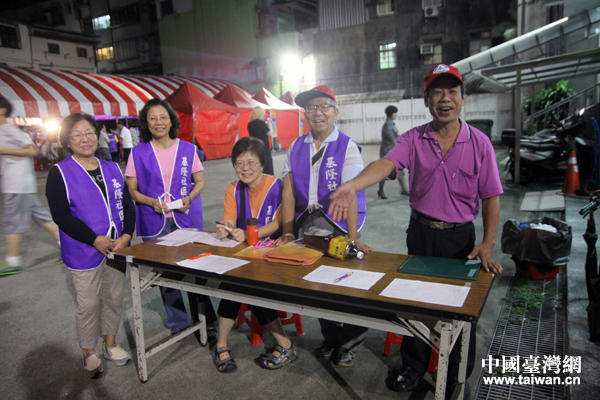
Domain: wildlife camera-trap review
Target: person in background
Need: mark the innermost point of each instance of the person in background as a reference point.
(389, 135)
(316, 164)
(126, 139)
(90, 203)
(103, 145)
(259, 129)
(113, 146)
(254, 195)
(19, 189)
(163, 169)
(452, 168)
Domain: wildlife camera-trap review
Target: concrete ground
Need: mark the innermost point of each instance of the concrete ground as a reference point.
(41, 358)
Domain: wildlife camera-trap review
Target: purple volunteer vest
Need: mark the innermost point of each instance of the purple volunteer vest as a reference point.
(268, 208)
(330, 177)
(87, 203)
(112, 143)
(150, 183)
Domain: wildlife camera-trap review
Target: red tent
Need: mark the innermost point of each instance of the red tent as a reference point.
(214, 123)
(289, 97)
(286, 118)
(236, 97)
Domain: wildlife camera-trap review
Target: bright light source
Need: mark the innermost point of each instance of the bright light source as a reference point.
(291, 68)
(51, 126)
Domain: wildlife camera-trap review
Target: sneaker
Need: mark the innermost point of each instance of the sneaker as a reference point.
(345, 358)
(93, 365)
(325, 349)
(6, 269)
(116, 354)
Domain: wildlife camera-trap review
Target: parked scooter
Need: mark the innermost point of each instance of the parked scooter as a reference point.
(546, 153)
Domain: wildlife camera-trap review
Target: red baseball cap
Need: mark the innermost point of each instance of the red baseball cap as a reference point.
(319, 91)
(441, 70)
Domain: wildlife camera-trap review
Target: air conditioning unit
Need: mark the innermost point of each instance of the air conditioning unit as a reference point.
(431, 11)
(427, 48)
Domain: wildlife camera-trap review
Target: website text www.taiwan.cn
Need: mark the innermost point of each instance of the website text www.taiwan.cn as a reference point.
(532, 370)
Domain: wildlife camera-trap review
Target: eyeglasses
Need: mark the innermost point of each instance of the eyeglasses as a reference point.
(77, 136)
(164, 119)
(324, 107)
(240, 165)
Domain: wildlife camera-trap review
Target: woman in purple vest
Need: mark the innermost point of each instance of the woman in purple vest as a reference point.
(254, 195)
(92, 207)
(163, 169)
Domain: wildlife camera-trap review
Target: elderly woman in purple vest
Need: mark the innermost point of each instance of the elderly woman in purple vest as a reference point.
(316, 164)
(161, 170)
(92, 207)
(254, 195)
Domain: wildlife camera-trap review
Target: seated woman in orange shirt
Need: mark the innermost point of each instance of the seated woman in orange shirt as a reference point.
(254, 195)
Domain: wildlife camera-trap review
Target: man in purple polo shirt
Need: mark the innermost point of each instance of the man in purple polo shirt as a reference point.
(317, 163)
(452, 167)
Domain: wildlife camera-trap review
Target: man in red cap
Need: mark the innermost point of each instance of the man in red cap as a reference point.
(452, 167)
(316, 164)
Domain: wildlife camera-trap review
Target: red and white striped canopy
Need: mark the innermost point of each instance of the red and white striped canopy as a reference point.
(51, 94)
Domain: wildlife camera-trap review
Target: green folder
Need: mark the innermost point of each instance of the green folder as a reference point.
(442, 267)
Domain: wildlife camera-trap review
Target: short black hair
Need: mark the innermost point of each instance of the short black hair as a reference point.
(68, 124)
(390, 110)
(145, 134)
(249, 144)
(7, 106)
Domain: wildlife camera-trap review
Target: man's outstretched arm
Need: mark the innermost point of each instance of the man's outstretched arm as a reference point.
(27, 151)
(490, 212)
(346, 193)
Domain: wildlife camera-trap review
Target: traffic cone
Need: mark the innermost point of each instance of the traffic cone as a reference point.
(571, 184)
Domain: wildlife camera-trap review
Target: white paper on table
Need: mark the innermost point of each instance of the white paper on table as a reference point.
(353, 278)
(212, 263)
(213, 240)
(170, 243)
(427, 292)
(175, 205)
(181, 235)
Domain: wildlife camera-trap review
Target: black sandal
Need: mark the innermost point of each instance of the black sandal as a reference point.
(269, 361)
(226, 365)
(211, 334)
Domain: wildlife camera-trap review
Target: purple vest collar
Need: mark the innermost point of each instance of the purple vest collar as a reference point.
(87, 203)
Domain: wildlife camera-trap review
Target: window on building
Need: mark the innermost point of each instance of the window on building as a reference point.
(385, 7)
(82, 52)
(9, 36)
(387, 56)
(554, 13)
(52, 17)
(431, 51)
(86, 25)
(479, 41)
(53, 48)
(259, 70)
(105, 53)
(166, 8)
(125, 15)
(102, 22)
(285, 23)
(126, 49)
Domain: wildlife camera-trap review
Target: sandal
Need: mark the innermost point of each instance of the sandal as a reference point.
(211, 334)
(269, 361)
(226, 365)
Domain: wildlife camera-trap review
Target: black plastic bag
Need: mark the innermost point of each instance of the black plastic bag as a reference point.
(537, 245)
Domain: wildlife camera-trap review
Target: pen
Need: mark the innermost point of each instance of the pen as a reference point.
(228, 229)
(200, 256)
(163, 211)
(341, 278)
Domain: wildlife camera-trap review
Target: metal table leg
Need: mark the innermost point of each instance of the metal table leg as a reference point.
(136, 296)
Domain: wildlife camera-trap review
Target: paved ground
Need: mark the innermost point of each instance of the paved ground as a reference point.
(41, 359)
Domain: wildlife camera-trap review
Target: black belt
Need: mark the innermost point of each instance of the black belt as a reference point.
(433, 223)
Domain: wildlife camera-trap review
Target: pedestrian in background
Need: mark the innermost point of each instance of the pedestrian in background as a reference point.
(19, 187)
(126, 140)
(103, 145)
(259, 129)
(389, 135)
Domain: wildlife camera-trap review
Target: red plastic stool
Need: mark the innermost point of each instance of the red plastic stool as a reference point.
(256, 337)
(395, 339)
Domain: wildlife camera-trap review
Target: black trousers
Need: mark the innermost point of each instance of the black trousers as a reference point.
(457, 242)
(230, 309)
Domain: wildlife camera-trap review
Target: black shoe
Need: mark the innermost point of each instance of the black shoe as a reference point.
(407, 380)
(344, 358)
(381, 195)
(325, 349)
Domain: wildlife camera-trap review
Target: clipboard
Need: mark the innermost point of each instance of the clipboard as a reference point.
(442, 267)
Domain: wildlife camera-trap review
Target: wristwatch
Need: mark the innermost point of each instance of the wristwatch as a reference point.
(191, 198)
